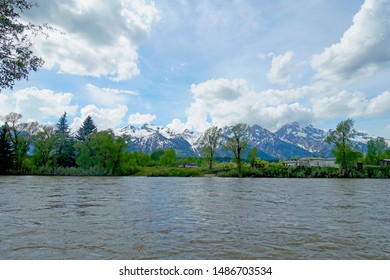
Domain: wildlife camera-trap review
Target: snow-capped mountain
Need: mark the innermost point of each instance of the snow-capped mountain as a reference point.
(149, 138)
(308, 138)
(313, 139)
(290, 141)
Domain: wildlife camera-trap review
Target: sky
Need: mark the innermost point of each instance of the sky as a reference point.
(190, 64)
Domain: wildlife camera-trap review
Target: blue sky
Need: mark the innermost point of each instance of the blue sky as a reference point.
(191, 64)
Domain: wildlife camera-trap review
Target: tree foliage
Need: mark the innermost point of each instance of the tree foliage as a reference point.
(252, 156)
(16, 56)
(87, 127)
(44, 144)
(237, 142)
(6, 153)
(346, 154)
(20, 136)
(169, 158)
(64, 152)
(211, 140)
(377, 149)
(103, 151)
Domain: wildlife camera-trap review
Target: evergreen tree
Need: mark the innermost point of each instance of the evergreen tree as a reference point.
(63, 127)
(6, 154)
(64, 152)
(86, 129)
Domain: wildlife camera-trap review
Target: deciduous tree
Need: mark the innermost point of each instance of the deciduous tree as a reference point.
(20, 134)
(377, 149)
(210, 140)
(44, 144)
(344, 151)
(16, 56)
(252, 155)
(237, 142)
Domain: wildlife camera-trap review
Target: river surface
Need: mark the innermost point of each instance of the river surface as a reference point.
(193, 218)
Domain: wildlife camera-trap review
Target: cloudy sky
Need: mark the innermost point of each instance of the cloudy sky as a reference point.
(189, 64)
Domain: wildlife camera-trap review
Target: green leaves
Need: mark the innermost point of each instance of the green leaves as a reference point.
(237, 142)
(346, 154)
(210, 140)
(102, 150)
(16, 56)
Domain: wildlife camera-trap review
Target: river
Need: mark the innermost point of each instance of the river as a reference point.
(193, 218)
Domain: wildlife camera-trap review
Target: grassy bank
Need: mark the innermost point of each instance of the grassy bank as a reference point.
(220, 170)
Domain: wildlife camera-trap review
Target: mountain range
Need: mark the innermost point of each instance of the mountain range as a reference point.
(292, 140)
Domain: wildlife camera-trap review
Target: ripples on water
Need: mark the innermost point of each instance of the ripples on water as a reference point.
(193, 218)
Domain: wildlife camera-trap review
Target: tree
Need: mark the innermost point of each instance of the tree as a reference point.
(346, 154)
(20, 135)
(86, 129)
(16, 55)
(188, 160)
(210, 140)
(252, 155)
(169, 158)
(44, 144)
(6, 154)
(103, 151)
(64, 153)
(237, 142)
(377, 149)
(156, 155)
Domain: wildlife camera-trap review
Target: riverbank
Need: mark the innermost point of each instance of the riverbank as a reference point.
(271, 171)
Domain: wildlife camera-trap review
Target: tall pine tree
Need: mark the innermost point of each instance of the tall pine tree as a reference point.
(6, 153)
(86, 129)
(64, 152)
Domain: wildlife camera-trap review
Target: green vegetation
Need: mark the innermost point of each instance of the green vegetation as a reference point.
(346, 154)
(237, 142)
(211, 140)
(28, 148)
(16, 56)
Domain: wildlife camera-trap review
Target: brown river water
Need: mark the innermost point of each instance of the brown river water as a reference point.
(193, 218)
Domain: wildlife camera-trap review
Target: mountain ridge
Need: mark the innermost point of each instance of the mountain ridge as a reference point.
(291, 140)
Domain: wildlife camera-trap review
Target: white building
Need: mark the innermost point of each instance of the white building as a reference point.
(312, 162)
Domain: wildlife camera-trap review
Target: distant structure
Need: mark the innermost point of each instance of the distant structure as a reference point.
(384, 162)
(312, 162)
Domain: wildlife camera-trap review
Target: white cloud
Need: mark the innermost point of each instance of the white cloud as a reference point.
(350, 104)
(137, 118)
(227, 102)
(280, 72)
(38, 104)
(177, 126)
(109, 96)
(379, 104)
(363, 49)
(97, 38)
(104, 118)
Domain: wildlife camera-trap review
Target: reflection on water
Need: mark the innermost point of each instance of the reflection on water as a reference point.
(196, 218)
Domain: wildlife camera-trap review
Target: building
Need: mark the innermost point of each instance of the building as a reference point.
(312, 162)
(384, 162)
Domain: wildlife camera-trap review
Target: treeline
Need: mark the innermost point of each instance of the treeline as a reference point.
(30, 148)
